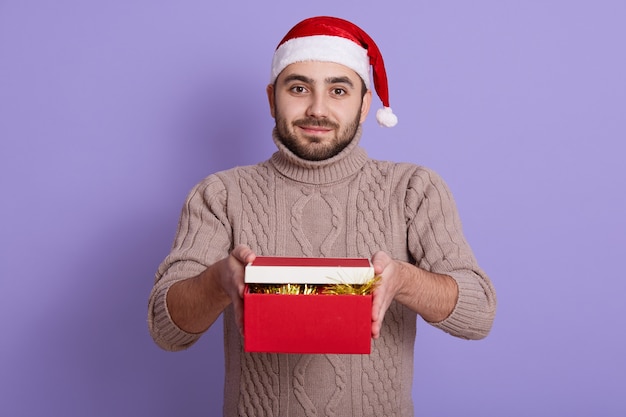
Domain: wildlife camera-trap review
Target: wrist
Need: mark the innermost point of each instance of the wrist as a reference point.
(213, 287)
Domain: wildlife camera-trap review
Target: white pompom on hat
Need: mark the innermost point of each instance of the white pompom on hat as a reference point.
(330, 39)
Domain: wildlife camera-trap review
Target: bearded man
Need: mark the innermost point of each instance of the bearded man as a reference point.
(320, 195)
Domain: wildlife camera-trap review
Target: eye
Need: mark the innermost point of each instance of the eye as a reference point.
(298, 89)
(338, 91)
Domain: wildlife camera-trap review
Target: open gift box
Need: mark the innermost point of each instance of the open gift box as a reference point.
(307, 323)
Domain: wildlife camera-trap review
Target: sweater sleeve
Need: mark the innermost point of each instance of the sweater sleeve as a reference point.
(203, 237)
(437, 243)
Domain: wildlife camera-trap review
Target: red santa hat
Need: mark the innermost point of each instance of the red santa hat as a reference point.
(330, 39)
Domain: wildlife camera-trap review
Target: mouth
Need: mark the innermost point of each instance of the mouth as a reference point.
(315, 130)
(315, 127)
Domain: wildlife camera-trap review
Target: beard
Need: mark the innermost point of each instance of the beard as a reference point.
(310, 147)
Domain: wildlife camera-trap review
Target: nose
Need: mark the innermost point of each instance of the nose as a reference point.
(318, 107)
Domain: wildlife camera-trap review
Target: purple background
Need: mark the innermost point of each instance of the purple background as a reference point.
(110, 111)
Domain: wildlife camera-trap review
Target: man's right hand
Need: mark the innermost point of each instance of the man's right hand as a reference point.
(195, 303)
(231, 276)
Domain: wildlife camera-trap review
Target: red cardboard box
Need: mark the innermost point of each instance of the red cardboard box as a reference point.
(317, 323)
(290, 270)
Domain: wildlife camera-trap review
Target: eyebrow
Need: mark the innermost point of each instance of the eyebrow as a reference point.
(329, 80)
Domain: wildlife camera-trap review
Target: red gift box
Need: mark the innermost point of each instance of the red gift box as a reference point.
(315, 323)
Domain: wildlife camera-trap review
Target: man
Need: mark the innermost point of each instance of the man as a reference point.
(320, 195)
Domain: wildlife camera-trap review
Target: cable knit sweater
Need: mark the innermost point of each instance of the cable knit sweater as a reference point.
(347, 206)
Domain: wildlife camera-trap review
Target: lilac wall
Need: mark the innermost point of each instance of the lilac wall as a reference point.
(111, 111)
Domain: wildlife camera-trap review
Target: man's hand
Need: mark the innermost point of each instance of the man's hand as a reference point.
(431, 295)
(386, 290)
(231, 276)
(195, 303)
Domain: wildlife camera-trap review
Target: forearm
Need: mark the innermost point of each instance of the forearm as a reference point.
(432, 296)
(437, 243)
(195, 303)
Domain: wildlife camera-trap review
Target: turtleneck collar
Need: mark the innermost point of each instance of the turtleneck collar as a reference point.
(341, 166)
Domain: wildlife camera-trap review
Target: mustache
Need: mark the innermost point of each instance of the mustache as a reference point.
(310, 121)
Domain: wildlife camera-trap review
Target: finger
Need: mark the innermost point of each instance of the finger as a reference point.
(241, 288)
(378, 316)
(376, 304)
(380, 260)
(238, 308)
(243, 254)
(376, 325)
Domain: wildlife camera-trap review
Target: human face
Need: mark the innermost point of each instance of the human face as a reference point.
(318, 107)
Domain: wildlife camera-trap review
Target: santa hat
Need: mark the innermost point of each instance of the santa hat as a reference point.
(330, 39)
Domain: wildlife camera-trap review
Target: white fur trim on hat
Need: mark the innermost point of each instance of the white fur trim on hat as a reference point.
(322, 48)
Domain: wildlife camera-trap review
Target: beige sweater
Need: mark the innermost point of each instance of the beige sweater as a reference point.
(348, 206)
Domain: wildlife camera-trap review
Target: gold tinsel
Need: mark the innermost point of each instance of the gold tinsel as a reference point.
(313, 289)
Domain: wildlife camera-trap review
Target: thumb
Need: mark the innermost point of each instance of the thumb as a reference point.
(380, 260)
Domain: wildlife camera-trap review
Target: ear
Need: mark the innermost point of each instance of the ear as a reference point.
(365, 105)
(270, 98)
